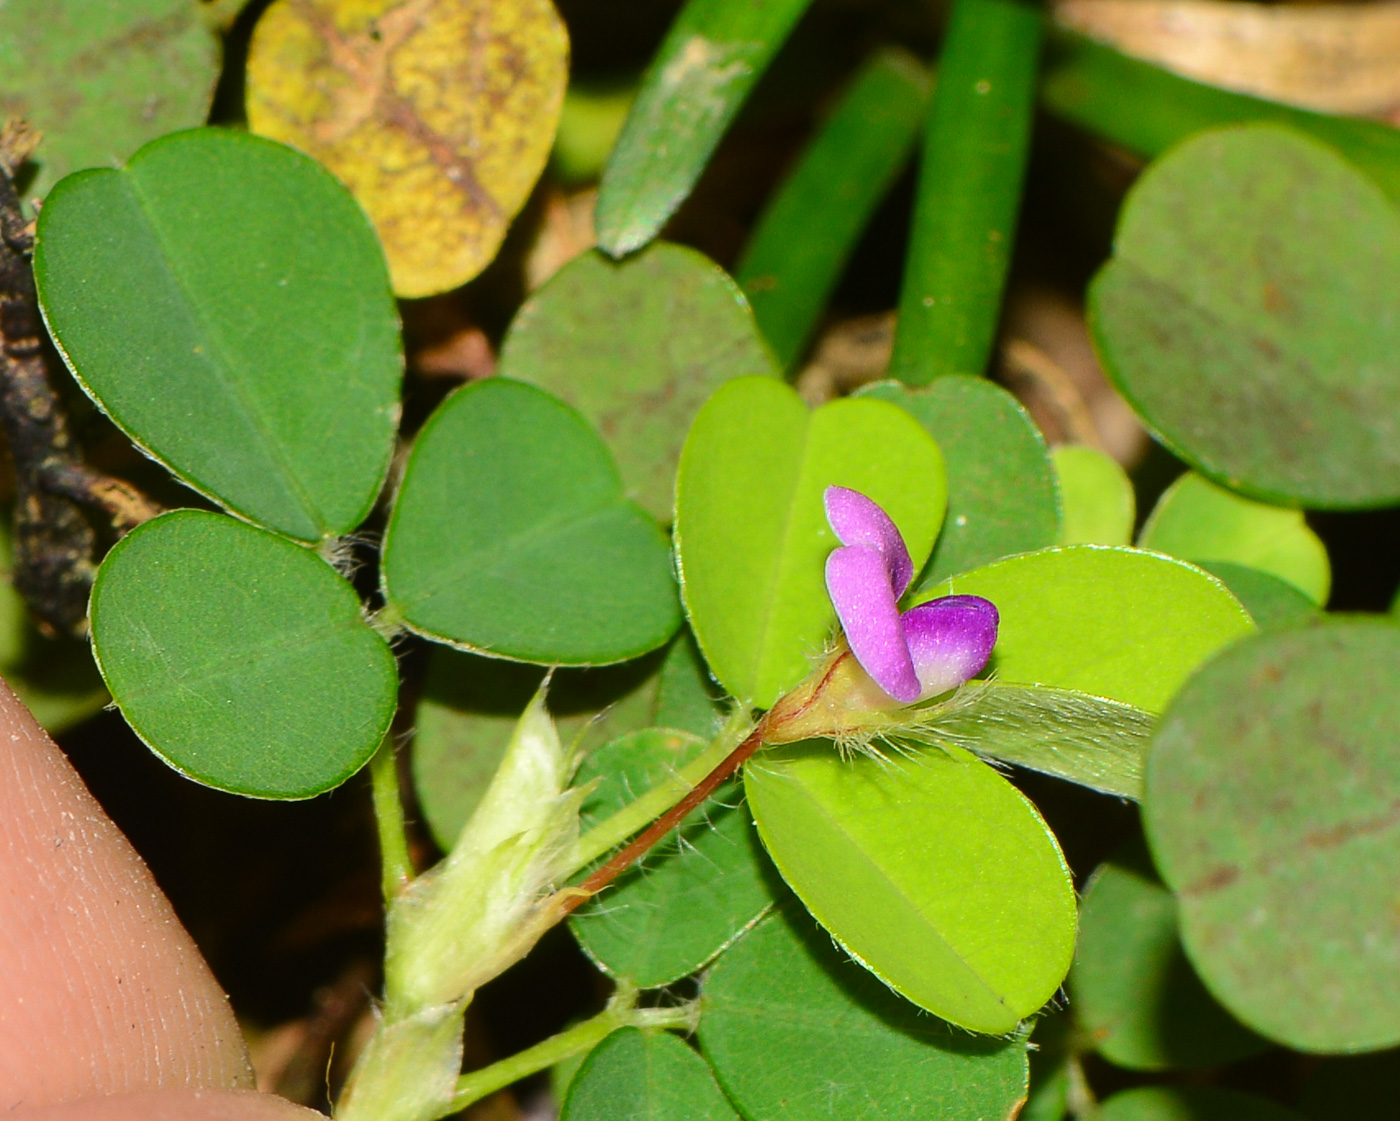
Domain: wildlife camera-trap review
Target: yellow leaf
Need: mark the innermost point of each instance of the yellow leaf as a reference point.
(437, 114)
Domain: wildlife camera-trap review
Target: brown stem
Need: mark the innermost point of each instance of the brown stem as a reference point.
(663, 825)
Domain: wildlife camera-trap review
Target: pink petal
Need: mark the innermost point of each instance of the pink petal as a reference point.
(857, 520)
(857, 580)
(950, 640)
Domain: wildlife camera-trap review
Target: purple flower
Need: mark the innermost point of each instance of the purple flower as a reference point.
(928, 649)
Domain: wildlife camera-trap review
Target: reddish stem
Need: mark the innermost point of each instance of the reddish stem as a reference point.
(658, 829)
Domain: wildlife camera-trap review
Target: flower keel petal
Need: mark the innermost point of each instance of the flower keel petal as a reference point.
(857, 520)
(858, 583)
(949, 640)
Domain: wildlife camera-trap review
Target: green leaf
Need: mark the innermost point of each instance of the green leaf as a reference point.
(1246, 316)
(1003, 497)
(242, 660)
(798, 1033)
(976, 143)
(99, 80)
(1190, 1103)
(637, 347)
(511, 536)
(811, 225)
(1199, 521)
(1099, 504)
(469, 708)
(710, 60)
(1149, 110)
(696, 892)
(1272, 795)
(686, 697)
(638, 1076)
(1133, 990)
(226, 302)
(928, 867)
(1344, 1089)
(1271, 602)
(751, 531)
(1114, 622)
(1091, 741)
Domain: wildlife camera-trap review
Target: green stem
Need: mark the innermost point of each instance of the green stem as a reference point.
(637, 814)
(620, 1013)
(396, 865)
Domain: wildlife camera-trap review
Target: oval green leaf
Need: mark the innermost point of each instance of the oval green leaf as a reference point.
(1199, 521)
(930, 868)
(1190, 1103)
(751, 532)
(645, 1076)
(637, 347)
(99, 80)
(242, 660)
(1132, 989)
(1247, 316)
(1003, 497)
(511, 536)
(797, 1032)
(225, 301)
(1272, 603)
(1273, 811)
(1115, 622)
(1099, 504)
(695, 893)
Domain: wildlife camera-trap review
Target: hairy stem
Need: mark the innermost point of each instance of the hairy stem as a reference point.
(396, 867)
(621, 1012)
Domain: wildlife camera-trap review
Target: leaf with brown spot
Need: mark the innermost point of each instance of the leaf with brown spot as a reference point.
(437, 114)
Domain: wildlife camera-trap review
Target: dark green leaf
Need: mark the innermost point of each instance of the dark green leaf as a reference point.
(1133, 991)
(1149, 110)
(99, 80)
(695, 893)
(226, 302)
(242, 660)
(1246, 314)
(511, 536)
(798, 1033)
(1002, 493)
(811, 225)
(713, 54)
(1273, 810)
(469, 708)
(637, 347)
(1190, 1103)
(975, 148)
(636, 1076)
(1273, 603)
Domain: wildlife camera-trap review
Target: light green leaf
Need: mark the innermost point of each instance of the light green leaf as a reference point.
(1099, 503)
(511, 536)
(1272, 794)
(695, 893)
(1190, 1103)
(99, 80)
(751, 531)
(226, 302)
(1133, 991)
(638, 1076)
(1246, 315)
(1003, 497)
(796, 1032)
(1272, 603)
(1199, 521)
(242, 660)
(637, 347)
(1114, 622)
(930, 868)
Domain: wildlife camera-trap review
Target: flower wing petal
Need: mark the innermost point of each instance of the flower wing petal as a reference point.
(857, 579)
(857, 520)
(949, 640)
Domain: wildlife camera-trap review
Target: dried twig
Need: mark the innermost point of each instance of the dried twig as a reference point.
(55, 543)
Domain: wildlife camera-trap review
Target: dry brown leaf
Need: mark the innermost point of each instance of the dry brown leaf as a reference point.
(1337, 58)
(437, 114)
